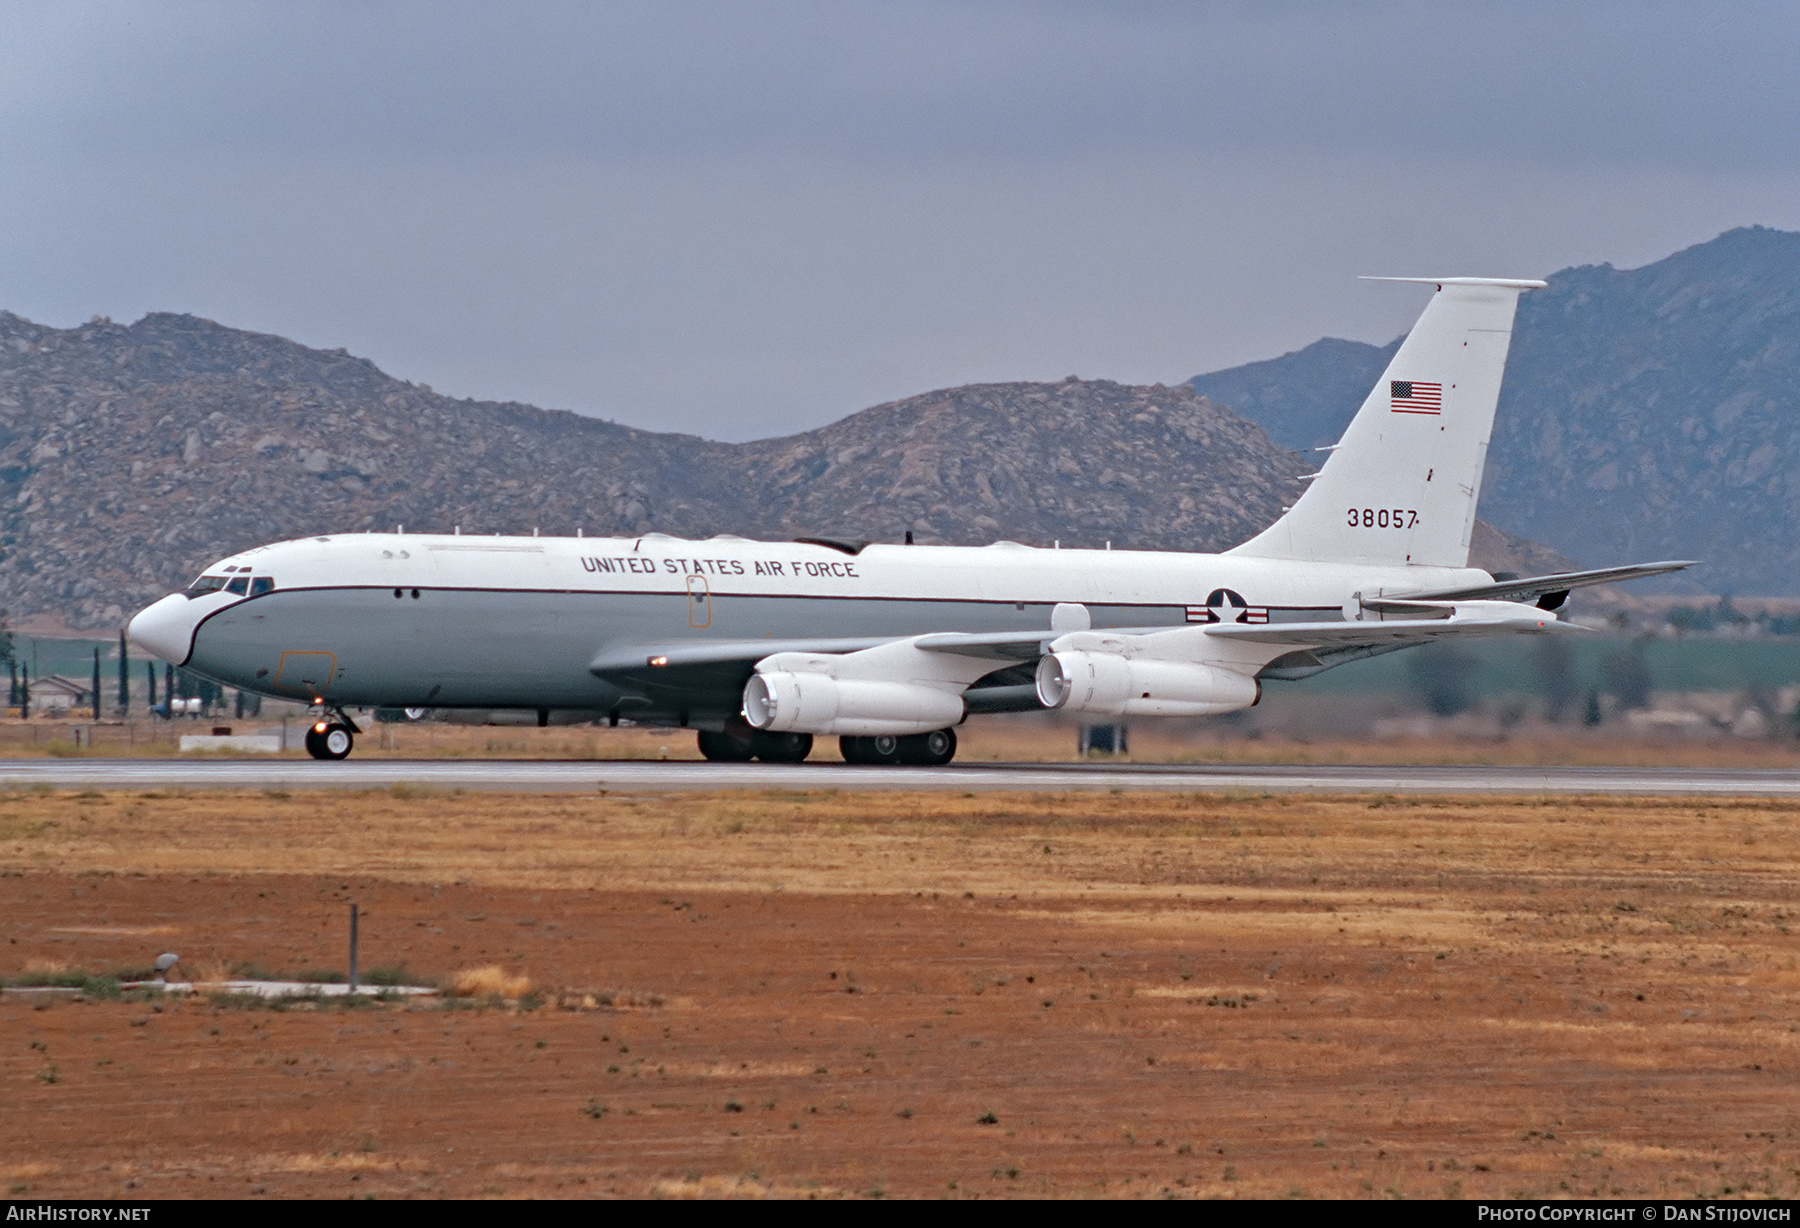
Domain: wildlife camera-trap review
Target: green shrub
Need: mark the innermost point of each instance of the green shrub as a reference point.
(66, 979)
(397, 974)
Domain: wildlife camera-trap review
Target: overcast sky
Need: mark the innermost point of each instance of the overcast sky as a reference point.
(743, 220)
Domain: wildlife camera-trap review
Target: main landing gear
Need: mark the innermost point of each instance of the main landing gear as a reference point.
(933, 749)
(734, 746)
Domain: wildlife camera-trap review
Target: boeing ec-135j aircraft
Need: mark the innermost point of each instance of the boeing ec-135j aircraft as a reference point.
(762, 646)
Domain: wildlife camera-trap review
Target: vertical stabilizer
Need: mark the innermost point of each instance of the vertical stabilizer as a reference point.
(1402, 483)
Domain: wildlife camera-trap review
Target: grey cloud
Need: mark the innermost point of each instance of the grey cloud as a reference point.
(744, 219)
(1623, 83)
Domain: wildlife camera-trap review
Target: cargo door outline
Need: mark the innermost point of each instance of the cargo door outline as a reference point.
(289, 675)
(699, 602)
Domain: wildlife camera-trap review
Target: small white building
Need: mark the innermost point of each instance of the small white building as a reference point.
(56, 693)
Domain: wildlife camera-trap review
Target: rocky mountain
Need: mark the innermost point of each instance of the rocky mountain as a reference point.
(1647, 413)
(132, 456)
(1083, 461)
(1304, 399)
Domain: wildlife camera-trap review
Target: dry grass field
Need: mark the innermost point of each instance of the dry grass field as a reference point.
(909, 995)
(983, 739)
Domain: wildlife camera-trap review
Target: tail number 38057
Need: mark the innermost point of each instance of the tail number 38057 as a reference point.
(1382, 518)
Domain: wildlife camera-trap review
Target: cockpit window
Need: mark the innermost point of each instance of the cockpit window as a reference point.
(238, 585)
(261, 585)
(205, 585)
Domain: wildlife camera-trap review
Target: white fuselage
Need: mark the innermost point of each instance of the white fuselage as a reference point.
(543, 622)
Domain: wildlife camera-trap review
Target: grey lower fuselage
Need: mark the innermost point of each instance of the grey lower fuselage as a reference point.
(459, 648)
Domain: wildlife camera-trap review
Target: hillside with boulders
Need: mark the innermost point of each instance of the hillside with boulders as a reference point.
(133, 455)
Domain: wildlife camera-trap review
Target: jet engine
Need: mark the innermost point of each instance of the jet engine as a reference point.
(790, 702)
(1112, 684)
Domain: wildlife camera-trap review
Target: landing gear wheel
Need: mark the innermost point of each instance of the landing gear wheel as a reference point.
(783, 747)
(723, 748)
(332, 741)
(933, 749)
(883, 748)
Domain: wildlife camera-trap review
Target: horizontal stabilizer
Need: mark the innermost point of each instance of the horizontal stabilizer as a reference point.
(1532, 587)
(1504, 283)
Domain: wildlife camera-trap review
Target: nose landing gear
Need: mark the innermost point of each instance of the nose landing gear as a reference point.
(329, 740)
(328, 737)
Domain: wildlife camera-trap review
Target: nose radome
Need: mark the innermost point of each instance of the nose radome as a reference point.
(165, 629)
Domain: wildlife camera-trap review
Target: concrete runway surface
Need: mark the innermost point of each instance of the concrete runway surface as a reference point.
(638, 776)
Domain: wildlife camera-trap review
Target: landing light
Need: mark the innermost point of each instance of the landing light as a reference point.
(658, 661)
(320, 727)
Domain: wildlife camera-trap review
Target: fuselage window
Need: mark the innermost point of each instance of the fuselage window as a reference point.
(261, 585)
(205, 585)
(238, 585)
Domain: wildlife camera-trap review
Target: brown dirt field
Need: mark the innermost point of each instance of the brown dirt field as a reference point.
(812, 994)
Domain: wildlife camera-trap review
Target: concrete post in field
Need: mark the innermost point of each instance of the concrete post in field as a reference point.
(353, 948)
(1104, 739)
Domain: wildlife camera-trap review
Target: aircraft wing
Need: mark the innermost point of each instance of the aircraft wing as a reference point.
(1536, 588)
(997, 665)
(673, 664)
(704, 667)
(1300, 650)
(993, 645)
(1396, 632)
(635, 658)
(1001, 646)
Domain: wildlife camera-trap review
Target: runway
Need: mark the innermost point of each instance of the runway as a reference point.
(641, 776)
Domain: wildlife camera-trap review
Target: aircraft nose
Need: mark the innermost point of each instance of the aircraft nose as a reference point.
(165, 629)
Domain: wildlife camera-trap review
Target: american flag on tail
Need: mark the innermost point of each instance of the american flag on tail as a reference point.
(1411, 396)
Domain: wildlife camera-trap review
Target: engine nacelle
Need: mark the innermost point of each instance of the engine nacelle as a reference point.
(1110, 684)
(784, 702)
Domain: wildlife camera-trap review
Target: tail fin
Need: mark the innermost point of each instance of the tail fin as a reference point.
(1401, 485)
